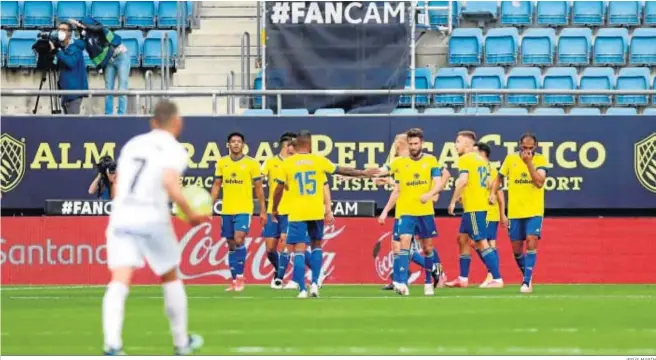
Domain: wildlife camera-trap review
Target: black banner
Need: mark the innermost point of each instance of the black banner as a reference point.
(337, 45)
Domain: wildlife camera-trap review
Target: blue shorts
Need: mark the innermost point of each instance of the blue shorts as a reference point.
(301, 232)
(421, 226)
(232, 223)
(274, 229)
(520, 229)
(474, 225)
(492, 230)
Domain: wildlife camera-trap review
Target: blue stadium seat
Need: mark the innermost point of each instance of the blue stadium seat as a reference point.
(480, 10)
(588, 13)
(633, 78)
(624, 13)
(474, 111)
(19, 49)
(649, 111)
(438, 18)
(404, 111)
(38, 14)
(423, 81)
(642, 50)
(524, 78)
(488, 78)
(451, 78)
(294, 112)
(622, 111)
(560, 78)
(107, 12)
(329, 112)
(650, 13)
(575, 46)
(466, 46)
(539, 47)
(517, 13)
(140, 14)
(10, 14)
(549, 111)
(439, 111)
(152, 48)
(511, 111)
(258, 112)
(584, 111)
(611, 47)
(71, 10)
(133, 41)
(597, 78)
(553, 13)
(167, 14)
(3, 47)
(502, 46)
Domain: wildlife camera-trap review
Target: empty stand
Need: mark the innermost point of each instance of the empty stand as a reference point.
(71, 10)
(501, 46)
(487, 78)
(634, 78)
(650, 13)
(152, 48)
(140, 14)
(597, 78)
(517, 13)
(611, 47)
(451, 78)
(560, 78)
(167, 14)
(294, 112)
(624, 13)
(622, 111)
(466, 47)
(643, 49)
(511, 111)
(258, 112)
(38, 14)
(649, 111)
(19, 49)
(574, 46)
(523, 78)
(439, 111)
(475, 111)
(423, 81)
(10, 14)
(404, 111)
(3, 47)
(437, 18)
(552, 13)
(107, 12)
(549, 111)
(539, 47)
(329, 112)
(585, 13)
(480, 10)
(585, 111)
(134, 42)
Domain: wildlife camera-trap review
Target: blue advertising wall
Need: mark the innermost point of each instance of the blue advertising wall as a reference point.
(595, 162)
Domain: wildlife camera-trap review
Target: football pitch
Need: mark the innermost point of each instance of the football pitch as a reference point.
(346, 320)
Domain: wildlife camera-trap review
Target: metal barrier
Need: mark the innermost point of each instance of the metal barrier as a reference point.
(181, 28)
(245, 60)
(165, 64)
(230, 81)
(149, 87)
(215, 94)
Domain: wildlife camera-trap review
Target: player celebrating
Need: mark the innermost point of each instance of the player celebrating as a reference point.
(304, 174)
(496, 212)
(276, 231)
(526, 172)
(472, 186)
(148, 173)
(420, 179)
(237, 174)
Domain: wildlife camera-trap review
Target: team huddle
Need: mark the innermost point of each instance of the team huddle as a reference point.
(299, 205)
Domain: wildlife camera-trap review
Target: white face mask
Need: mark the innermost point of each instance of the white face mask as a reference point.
(83, 33)
(61, 35)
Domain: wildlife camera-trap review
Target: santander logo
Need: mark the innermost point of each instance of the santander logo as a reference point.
(203, 254)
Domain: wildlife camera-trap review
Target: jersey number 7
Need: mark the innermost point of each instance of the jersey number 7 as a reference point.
(306, 179)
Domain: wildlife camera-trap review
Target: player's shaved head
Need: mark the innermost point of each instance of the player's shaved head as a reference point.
(167, 118)
(304, 141)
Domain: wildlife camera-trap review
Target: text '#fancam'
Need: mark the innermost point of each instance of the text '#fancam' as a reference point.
(337, 12)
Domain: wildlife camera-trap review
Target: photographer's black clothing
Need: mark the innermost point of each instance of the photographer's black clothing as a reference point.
(72, 71)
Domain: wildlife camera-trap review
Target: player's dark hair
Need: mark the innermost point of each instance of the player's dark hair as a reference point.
(236, 133)
(415, 133)
(165, 111)
(287, 137)
(484, 148)
(468, 133)
(529, 135)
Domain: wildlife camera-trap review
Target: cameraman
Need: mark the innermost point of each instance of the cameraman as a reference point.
(103, 184)
(72, 72)
(109, 54)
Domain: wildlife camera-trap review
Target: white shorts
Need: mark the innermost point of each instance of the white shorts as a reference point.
(129, 246)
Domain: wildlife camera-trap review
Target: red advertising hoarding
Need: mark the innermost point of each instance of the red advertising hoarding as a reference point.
(71, 250)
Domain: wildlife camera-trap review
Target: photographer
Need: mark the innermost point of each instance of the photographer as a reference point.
(103, 184)
(109, 54)
(70, 62)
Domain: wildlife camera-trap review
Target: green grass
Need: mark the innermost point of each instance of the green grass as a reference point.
(347, 320)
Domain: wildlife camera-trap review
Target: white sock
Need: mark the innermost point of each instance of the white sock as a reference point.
(113, 312)
(175, 303)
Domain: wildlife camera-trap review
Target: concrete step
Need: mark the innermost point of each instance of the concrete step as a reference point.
(226, 26)
(232, 39)
(214, 65)
(218, 51)
(228, 12)
(203, 105)
(212, 80)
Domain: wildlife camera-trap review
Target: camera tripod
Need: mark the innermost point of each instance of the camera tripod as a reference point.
(49, 75)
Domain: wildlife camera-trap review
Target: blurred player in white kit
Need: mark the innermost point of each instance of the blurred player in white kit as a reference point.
(140, 228)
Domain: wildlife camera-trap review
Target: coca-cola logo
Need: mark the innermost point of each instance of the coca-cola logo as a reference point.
(384, 259)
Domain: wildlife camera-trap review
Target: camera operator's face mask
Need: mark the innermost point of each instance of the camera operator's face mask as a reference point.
(61, 35)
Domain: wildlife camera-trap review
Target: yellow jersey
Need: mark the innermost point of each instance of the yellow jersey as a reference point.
(525, 200)
(388, 167)
(475, 193)
(415, 178)
(305, 176)
(271, 169)
(237, 178)
(493, 213)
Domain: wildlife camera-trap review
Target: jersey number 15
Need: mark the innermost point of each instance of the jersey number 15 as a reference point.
(307, 183)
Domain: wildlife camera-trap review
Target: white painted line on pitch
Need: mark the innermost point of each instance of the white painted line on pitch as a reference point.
(437, 350)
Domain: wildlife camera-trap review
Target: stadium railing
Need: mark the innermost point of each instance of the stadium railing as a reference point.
(469, 94)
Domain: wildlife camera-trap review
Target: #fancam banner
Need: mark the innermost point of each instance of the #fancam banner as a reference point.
(595, 162)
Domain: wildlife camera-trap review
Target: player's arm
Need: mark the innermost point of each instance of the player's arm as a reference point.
(538, 173)
(93, 188)
(444, 179)
(391, 202)
(256, 177)
(327, 203)
(174, 190)
(496, 183)
(277, 196)
(347, 171)
(501, 202)
(218, 181)
(461, 182)
(436, 176)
